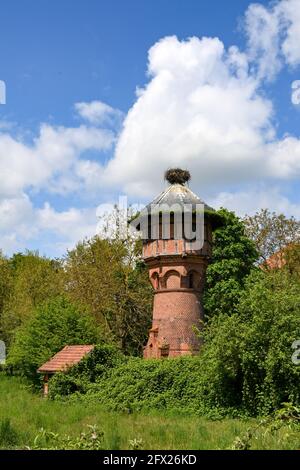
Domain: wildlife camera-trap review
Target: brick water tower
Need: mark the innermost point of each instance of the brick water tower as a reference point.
(177, 264)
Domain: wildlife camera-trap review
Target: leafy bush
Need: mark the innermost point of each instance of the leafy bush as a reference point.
(247, 356)
(269, 313)
(90, 369)
(233, 258)
(27, 280)
(53, 325)
(244, 366)
(134, 384)
(286, 418)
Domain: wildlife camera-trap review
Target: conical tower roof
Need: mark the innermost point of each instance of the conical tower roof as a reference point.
(178, 194)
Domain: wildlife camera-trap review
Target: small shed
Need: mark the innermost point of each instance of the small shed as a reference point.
(63, 360)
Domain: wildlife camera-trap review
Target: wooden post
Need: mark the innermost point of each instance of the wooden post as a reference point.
(46, 385)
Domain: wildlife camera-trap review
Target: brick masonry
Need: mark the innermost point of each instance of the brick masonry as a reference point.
(177, 274)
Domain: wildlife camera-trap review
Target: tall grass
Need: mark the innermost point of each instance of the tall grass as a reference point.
(23, 413)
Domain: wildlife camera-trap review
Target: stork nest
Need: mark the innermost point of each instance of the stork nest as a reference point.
(177, 176)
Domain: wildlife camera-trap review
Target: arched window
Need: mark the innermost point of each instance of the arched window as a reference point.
(172, 279)
(155, 281)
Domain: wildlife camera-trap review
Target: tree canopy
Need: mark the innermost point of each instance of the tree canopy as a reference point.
(53, 325)
(233, 257)
(271, 232)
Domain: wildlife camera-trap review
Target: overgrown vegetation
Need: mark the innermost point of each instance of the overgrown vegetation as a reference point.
(34, 423)
(52, 326)
(100, 294)
(234, 255)
(245, 366)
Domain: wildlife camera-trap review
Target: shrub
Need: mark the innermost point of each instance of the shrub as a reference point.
(233, 259)
(244, 366)
(134, 384)
(92, 367)
(53, 325)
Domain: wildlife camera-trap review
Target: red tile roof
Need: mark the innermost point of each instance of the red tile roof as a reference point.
(279, 259)
(65, 358)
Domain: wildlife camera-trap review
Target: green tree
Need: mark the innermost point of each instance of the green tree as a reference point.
(233, 257)
(5, 287)
(272, 232)
(247, 356)
(52, 326)
(107, 276)
(33, 279)
(270, 322)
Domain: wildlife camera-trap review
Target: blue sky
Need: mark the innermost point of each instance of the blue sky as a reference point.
(75, 132)
(57, 52)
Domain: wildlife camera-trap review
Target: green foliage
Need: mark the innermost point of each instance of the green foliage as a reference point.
(90, 440)
(90, 369)
(270, 321)
(27, 280)
(249, 353)
(8, 435)
(244, 366)
(233, 258)
(286, 418)
(107, 277)
(53, 325)
(134, 384)
(272, 232)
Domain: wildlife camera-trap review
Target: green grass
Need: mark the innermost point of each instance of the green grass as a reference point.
(23, 413)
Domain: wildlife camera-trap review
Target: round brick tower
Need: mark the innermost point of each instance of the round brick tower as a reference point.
(177, 266)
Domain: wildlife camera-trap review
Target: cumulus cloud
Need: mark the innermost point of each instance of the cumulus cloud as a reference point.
(23, 225)
(273, 34)
(204, 107)
(98, 113)
(55, 162)
(262, 26)
(290, 13)
(54, 152)
(251, 200)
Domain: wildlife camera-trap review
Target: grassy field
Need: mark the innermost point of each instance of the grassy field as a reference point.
(23, 413)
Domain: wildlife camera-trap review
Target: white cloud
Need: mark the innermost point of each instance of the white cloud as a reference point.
(54, 162)
(295, 95)
(98, 113)
(16, 213)
(290, 11)
(54, 152)
(253, 199)
(46, 229)
(273, 34)
(262, 28)
(202, 109)
(71, 225)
